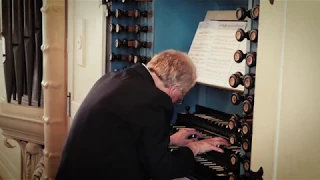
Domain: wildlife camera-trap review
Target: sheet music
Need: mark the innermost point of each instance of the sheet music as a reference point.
(212, 51)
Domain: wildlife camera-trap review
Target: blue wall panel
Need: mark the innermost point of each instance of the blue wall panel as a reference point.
(175, 23)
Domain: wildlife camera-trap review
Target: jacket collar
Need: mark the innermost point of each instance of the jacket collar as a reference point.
(144, 71)
(166, 100)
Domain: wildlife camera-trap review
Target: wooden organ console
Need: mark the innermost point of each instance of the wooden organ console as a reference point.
(131, 32)
(234, 128)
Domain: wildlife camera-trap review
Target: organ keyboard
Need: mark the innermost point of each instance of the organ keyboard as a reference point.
(214, 165)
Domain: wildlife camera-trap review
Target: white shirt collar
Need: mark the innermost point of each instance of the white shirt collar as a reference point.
(146, 67)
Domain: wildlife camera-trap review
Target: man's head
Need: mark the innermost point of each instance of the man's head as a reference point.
(173, 72)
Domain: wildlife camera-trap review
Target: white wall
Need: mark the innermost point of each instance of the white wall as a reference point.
(286, 141)
(86, 47)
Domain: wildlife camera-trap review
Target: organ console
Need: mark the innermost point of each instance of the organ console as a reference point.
(248, 81)
(251, 35)
(242, 13)
(214, 165)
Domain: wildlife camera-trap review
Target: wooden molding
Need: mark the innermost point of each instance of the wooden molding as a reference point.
(22, 122)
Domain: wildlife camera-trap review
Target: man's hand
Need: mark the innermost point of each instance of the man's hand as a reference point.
(180, 138)
(206, 145)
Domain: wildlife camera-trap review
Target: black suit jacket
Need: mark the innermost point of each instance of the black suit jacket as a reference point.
(121, 132)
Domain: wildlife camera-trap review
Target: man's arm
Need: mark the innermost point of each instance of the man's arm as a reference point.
(159, 162)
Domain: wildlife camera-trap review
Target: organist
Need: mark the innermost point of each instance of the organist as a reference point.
(122, 129)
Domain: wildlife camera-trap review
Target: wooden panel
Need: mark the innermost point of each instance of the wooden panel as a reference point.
(298, 152)
(267, 87)
(286, 120)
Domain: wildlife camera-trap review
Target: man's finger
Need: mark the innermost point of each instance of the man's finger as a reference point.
(223, 141)
(190, 130)
(193, 131)
(198, 134)
(188, 141)
(218, 141)
(214, 148)
(194, 139)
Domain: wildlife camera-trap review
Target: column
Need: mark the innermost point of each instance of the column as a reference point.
(54, 83)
